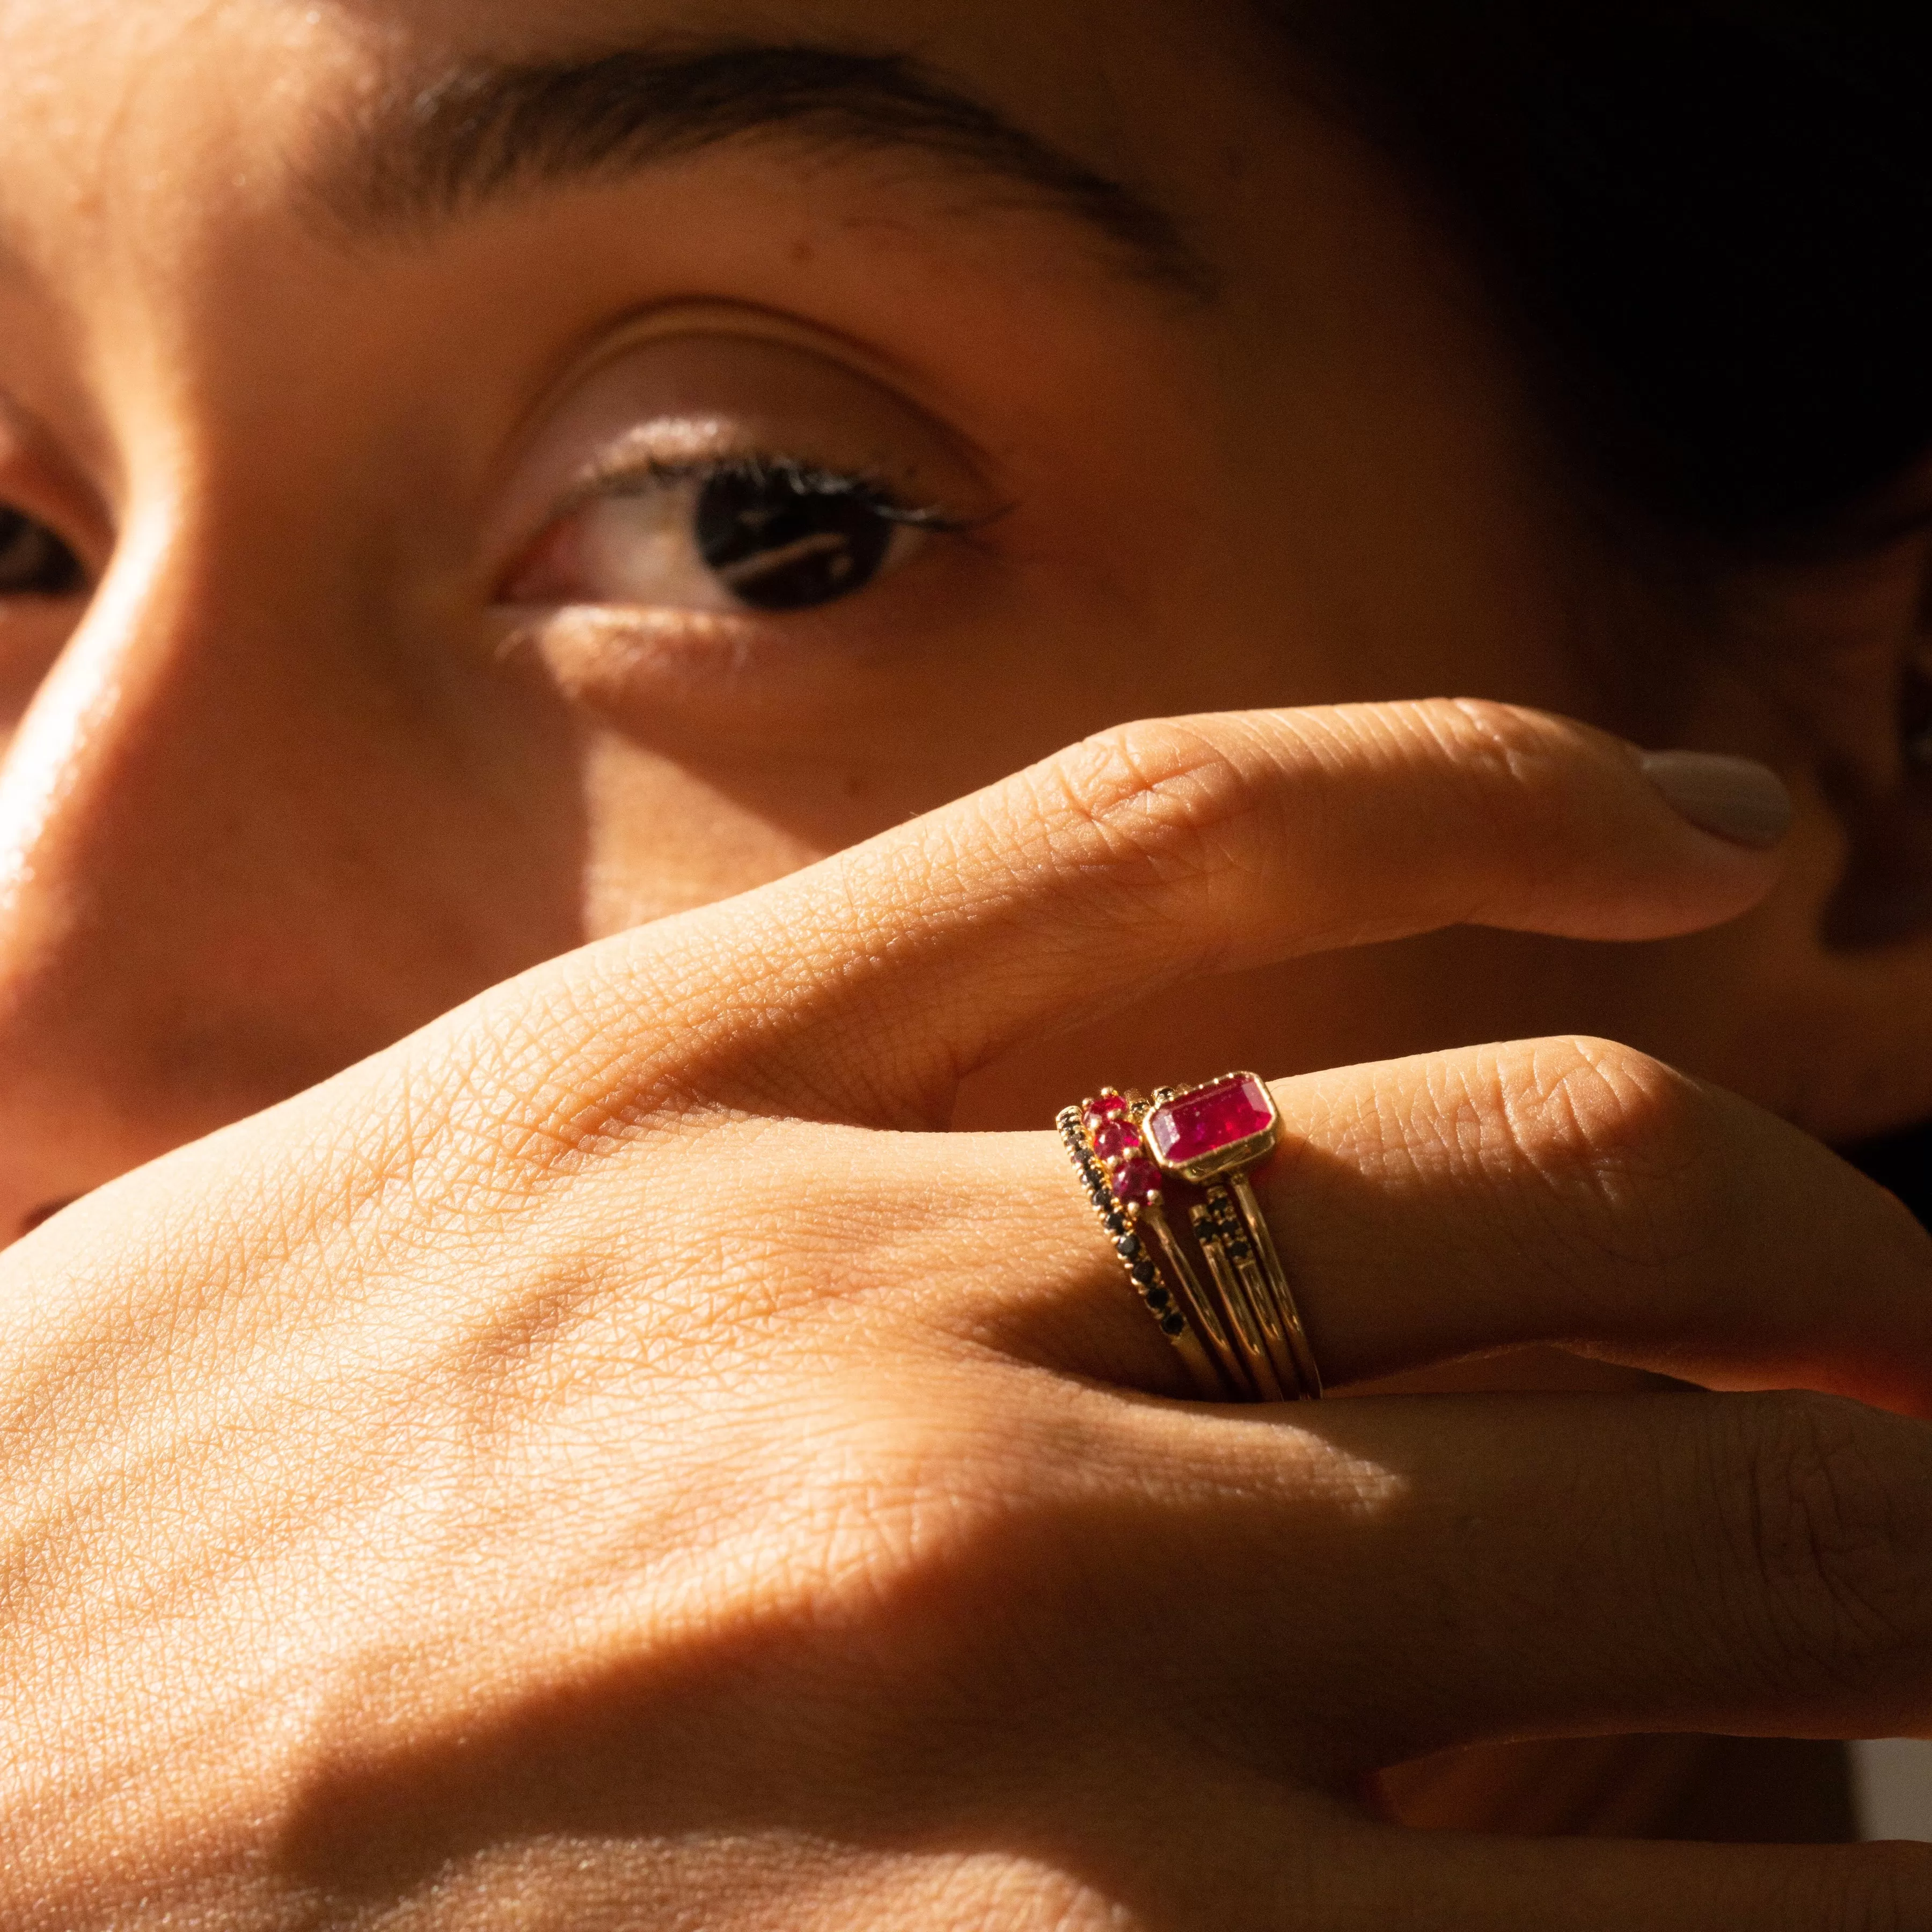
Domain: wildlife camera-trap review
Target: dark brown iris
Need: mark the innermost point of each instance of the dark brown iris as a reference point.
(785, 539)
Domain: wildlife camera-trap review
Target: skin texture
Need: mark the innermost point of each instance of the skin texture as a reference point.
(611, 1458)
(1322, 485)
(564, 1472)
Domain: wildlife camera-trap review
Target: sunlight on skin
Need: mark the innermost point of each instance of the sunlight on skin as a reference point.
(365, 708)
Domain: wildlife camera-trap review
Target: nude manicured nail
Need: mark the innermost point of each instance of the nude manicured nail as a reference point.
(1734, 798)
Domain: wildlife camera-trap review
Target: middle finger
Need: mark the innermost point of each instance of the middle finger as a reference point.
(1386, 1579)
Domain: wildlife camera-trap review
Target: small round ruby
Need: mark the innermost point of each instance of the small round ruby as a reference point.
(1102, 1113)
(1119, 1140)
(1136, 1182)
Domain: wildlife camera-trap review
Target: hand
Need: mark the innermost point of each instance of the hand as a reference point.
(608, 1462)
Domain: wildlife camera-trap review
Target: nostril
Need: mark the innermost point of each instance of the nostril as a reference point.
(42, 1214)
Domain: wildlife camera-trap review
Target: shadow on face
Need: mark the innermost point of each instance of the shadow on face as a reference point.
(514, 473)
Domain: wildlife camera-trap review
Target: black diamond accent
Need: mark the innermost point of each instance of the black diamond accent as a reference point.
(1174, 1324)
(1129, 1246)
(1143, 1275)
(1116, 1223)
(1159, 1300)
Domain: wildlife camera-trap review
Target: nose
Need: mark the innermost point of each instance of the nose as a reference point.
(252, 829)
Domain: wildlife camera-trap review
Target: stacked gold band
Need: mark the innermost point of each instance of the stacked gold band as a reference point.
(1239, 1330)
(1306, 1373)
(1128, 1224)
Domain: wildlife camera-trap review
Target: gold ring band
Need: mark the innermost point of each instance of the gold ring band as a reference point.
(1127, 1224)
(1231, 1259)
(1307, 1371)
(1240, 1329)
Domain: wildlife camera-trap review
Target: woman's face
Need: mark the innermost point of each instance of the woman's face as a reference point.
(484, 473)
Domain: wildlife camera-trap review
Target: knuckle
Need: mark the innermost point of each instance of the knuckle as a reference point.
(1157, 793)
(1831, 1516)
(899, 1503)
(1507, 738)
(1625, 1144)
(1507, 752)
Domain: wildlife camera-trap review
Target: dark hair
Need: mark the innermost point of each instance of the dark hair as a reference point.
(1717, 219)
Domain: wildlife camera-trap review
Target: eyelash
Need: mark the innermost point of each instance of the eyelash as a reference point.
(742, 531)
(802, 479)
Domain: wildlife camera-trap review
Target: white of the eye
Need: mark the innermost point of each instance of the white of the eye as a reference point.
(641, 548)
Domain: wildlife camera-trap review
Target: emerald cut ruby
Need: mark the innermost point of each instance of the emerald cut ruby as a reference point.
(1197, 1128)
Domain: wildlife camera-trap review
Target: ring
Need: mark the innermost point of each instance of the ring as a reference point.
(1240, 1331)
(1124, 1187)
(1214, 1136)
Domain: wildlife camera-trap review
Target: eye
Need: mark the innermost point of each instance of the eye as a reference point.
(738, 533)
(34, 562)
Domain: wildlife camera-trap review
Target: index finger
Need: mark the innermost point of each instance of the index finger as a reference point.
(1181, 849)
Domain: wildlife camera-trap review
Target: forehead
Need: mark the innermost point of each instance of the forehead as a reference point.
(131, 123)
(173, 253)
(1090, 72)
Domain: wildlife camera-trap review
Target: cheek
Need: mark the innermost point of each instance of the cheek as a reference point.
(1351, 564)
(1217, 557)
(31, 635)
(664, 836)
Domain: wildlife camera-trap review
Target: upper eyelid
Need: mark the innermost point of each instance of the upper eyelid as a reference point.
(858, 412)
(36, 482)
(611, 480)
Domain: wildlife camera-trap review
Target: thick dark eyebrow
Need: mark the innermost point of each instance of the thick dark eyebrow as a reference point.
(483, 132)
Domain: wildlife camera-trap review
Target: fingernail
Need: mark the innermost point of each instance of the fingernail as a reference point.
(1734, 798)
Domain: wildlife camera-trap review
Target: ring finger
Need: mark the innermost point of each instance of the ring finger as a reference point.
(1555, 1192)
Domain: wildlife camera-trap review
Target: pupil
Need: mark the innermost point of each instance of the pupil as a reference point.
(787, 542)
(34, 562)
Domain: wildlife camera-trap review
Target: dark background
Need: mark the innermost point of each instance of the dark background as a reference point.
(1904, 1165)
